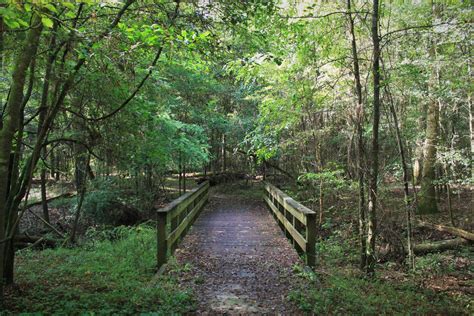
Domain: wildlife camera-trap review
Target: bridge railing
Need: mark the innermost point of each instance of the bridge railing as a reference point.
(174, 220)
(298, 221)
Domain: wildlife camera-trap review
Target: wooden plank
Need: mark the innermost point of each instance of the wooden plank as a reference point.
(188, 199)
(166, 214)
(284, 202)
(171, 206)
(296, 206)
(296, 209)
(288, 226)
(174, 235)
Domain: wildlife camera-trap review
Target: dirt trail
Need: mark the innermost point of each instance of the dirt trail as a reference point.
(240, 261)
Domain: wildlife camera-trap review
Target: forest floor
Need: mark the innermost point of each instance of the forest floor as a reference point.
(237, 259)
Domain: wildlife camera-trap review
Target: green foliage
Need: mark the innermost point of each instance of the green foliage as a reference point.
(339, 289)
(332, 178)
(242, 189)
(341, 294)
(436, 264)
(99, 200)
(336, 249)
(430, 263)
(105, 276)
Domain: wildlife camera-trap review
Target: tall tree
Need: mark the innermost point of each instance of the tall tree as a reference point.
(374, 170)
(359, 121)
(427, 195)
(10, 124)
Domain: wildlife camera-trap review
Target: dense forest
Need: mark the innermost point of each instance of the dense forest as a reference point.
(360, 110)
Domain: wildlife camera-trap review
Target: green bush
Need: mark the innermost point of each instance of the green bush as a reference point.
(99, 200)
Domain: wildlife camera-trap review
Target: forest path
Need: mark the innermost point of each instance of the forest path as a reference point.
(238, 260)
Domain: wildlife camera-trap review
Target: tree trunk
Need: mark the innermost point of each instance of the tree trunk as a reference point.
(441, 245)
(471, 128)
(43, 109)
(223, 153)
(11, 121)
(427, 195)
(321, 203)
(359, 118)
(448, 229)
(80, 182)
(184, 178)
(450, 204)
(180, 174)
(81, 158)
(14, 182)
(52, 163)
(81, 194)
(372, 206)
(44, 204)
(418, 152)
(406, 192)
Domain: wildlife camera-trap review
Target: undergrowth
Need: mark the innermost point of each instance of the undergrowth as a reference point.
(112, 273)
(337, 287)
(248, 189)
(346, 294)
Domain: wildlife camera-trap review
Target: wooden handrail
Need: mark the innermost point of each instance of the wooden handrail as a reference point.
(298, 221)
(174, 220)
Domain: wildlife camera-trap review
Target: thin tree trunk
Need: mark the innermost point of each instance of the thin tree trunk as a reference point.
(223, 153)
(321, 203)
(52, 158)
(406, 192)
(44, 204)
(180, 175)
(359, 117)
(57, 168)
(450, 206)
(43, 109)
(372, 206)
(81, 194)
(184, 178)
(471, 129)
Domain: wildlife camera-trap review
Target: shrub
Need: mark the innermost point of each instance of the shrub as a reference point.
(105, 204)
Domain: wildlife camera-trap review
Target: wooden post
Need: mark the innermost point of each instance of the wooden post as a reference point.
(311, 240)
(161, 238)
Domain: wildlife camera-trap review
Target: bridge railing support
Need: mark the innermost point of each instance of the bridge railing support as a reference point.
(174, 220)
(298, 221)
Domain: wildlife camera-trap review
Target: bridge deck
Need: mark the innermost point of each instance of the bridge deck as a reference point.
(240, 260)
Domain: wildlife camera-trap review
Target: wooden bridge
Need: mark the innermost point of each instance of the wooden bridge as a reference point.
(239, 258)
